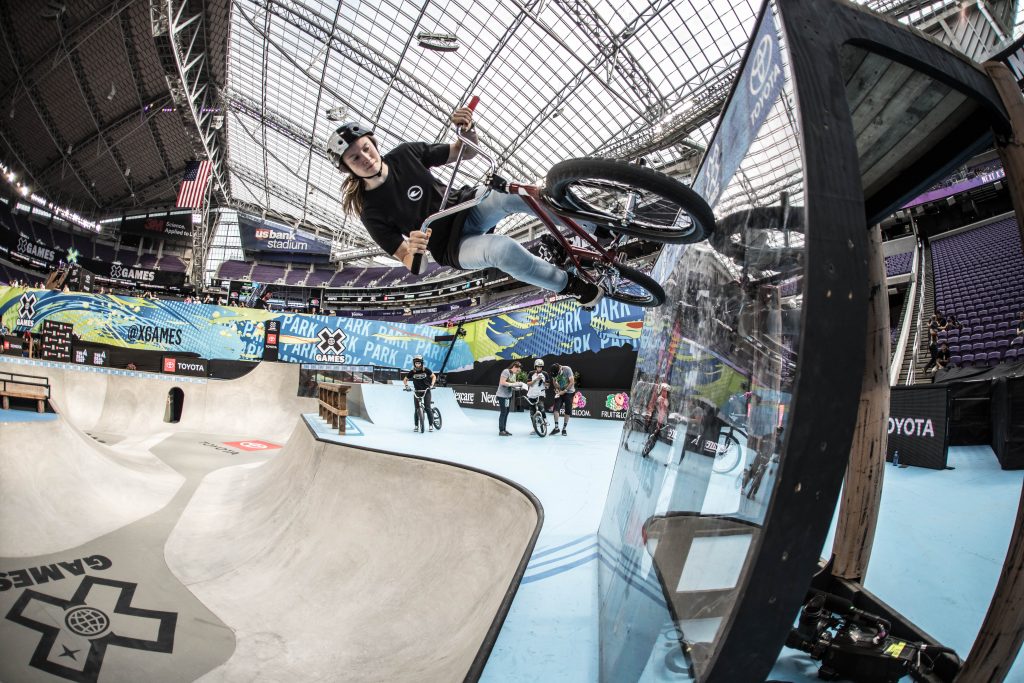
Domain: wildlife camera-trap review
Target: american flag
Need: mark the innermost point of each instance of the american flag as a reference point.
(193, 185)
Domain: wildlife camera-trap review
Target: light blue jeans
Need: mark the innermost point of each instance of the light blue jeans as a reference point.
(478, 250)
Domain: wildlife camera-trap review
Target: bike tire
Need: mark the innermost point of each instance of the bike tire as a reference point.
(540, 424)
(435, 418)
(652, 440)
(729, 457)
(423, 420)
(623, 283)
(589, 188)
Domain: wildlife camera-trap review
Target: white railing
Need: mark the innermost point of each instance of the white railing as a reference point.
(917, 275)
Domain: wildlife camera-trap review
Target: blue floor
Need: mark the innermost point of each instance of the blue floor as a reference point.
(938, 551)
(24, 416)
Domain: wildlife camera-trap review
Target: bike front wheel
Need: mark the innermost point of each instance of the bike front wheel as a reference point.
(422, 420)
(540, 423)
(630, 199)
(625, 284)
(728, 455)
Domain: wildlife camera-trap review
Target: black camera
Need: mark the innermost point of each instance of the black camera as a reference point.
(853, 644)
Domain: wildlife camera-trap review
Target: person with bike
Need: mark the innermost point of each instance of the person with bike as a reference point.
(423, 379)
(564, 382)
(536, 388)
(392, 194)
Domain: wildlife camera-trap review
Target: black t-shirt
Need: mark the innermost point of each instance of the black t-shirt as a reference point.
(421, 379)
(409, 194)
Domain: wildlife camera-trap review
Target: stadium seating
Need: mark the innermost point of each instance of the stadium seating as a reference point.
(898, 264)
(979, 277)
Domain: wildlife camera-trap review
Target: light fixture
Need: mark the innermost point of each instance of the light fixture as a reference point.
(337, 113)
(439, 42)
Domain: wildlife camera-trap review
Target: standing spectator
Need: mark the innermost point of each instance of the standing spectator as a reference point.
(933, 349)
(952, 322)
(27, 338)
(565, 390)
(506, 383)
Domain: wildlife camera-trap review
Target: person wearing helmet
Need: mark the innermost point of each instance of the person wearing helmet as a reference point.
(392, 194)
(538, 383)
(564, 382)
(423, 379)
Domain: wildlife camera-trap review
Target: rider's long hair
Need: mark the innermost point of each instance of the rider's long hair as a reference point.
(352, 195)
(352, 187)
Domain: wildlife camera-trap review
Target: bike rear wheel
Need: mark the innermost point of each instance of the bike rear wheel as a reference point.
(625, 284)
(599, 190)
(435, 418)
(540, 423)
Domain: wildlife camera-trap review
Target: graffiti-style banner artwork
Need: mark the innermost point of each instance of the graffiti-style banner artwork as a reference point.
(228, 332)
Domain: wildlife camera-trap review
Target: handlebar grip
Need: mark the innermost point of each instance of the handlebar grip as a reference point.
(417, 264)
(473, 101)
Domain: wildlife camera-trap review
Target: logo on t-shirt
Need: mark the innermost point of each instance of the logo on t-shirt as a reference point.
(415, 193)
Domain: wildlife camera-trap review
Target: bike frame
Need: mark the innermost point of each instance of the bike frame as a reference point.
(545, 210)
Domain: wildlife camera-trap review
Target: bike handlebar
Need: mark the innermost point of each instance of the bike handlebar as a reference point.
(417, 259)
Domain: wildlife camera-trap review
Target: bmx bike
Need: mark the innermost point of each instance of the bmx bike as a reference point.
(625, 199)
(421, 411)
(538, 418)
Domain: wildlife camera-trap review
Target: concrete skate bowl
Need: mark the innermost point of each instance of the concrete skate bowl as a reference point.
(353, 564)
(263, 402)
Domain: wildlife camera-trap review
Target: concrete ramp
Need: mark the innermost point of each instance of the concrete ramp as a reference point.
(389, 405)
(263, 402)
(310, 562)
(336, 563)
(59, 488)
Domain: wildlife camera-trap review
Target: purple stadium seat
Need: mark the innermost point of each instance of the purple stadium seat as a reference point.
(1011, 355)
(993, 358)
(967, 359)
(955, 360)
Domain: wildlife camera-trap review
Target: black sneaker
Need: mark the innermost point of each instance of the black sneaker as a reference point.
(588, 294)
(555, 430)
(565, 432)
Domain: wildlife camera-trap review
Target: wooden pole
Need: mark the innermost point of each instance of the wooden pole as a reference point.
(862, 490)
(1002, 632)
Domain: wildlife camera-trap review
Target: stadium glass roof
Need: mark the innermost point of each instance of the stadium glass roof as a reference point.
(93, 119)
(557, 79)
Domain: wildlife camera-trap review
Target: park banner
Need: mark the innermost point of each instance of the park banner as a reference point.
(175, 227)
(234, 333)
(269, 240)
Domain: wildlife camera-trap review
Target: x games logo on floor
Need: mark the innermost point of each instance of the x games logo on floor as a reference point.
(331, 346)
(76, 632)
(26, 310)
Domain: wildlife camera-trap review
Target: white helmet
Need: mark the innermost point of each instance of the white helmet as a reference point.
(539, 363)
